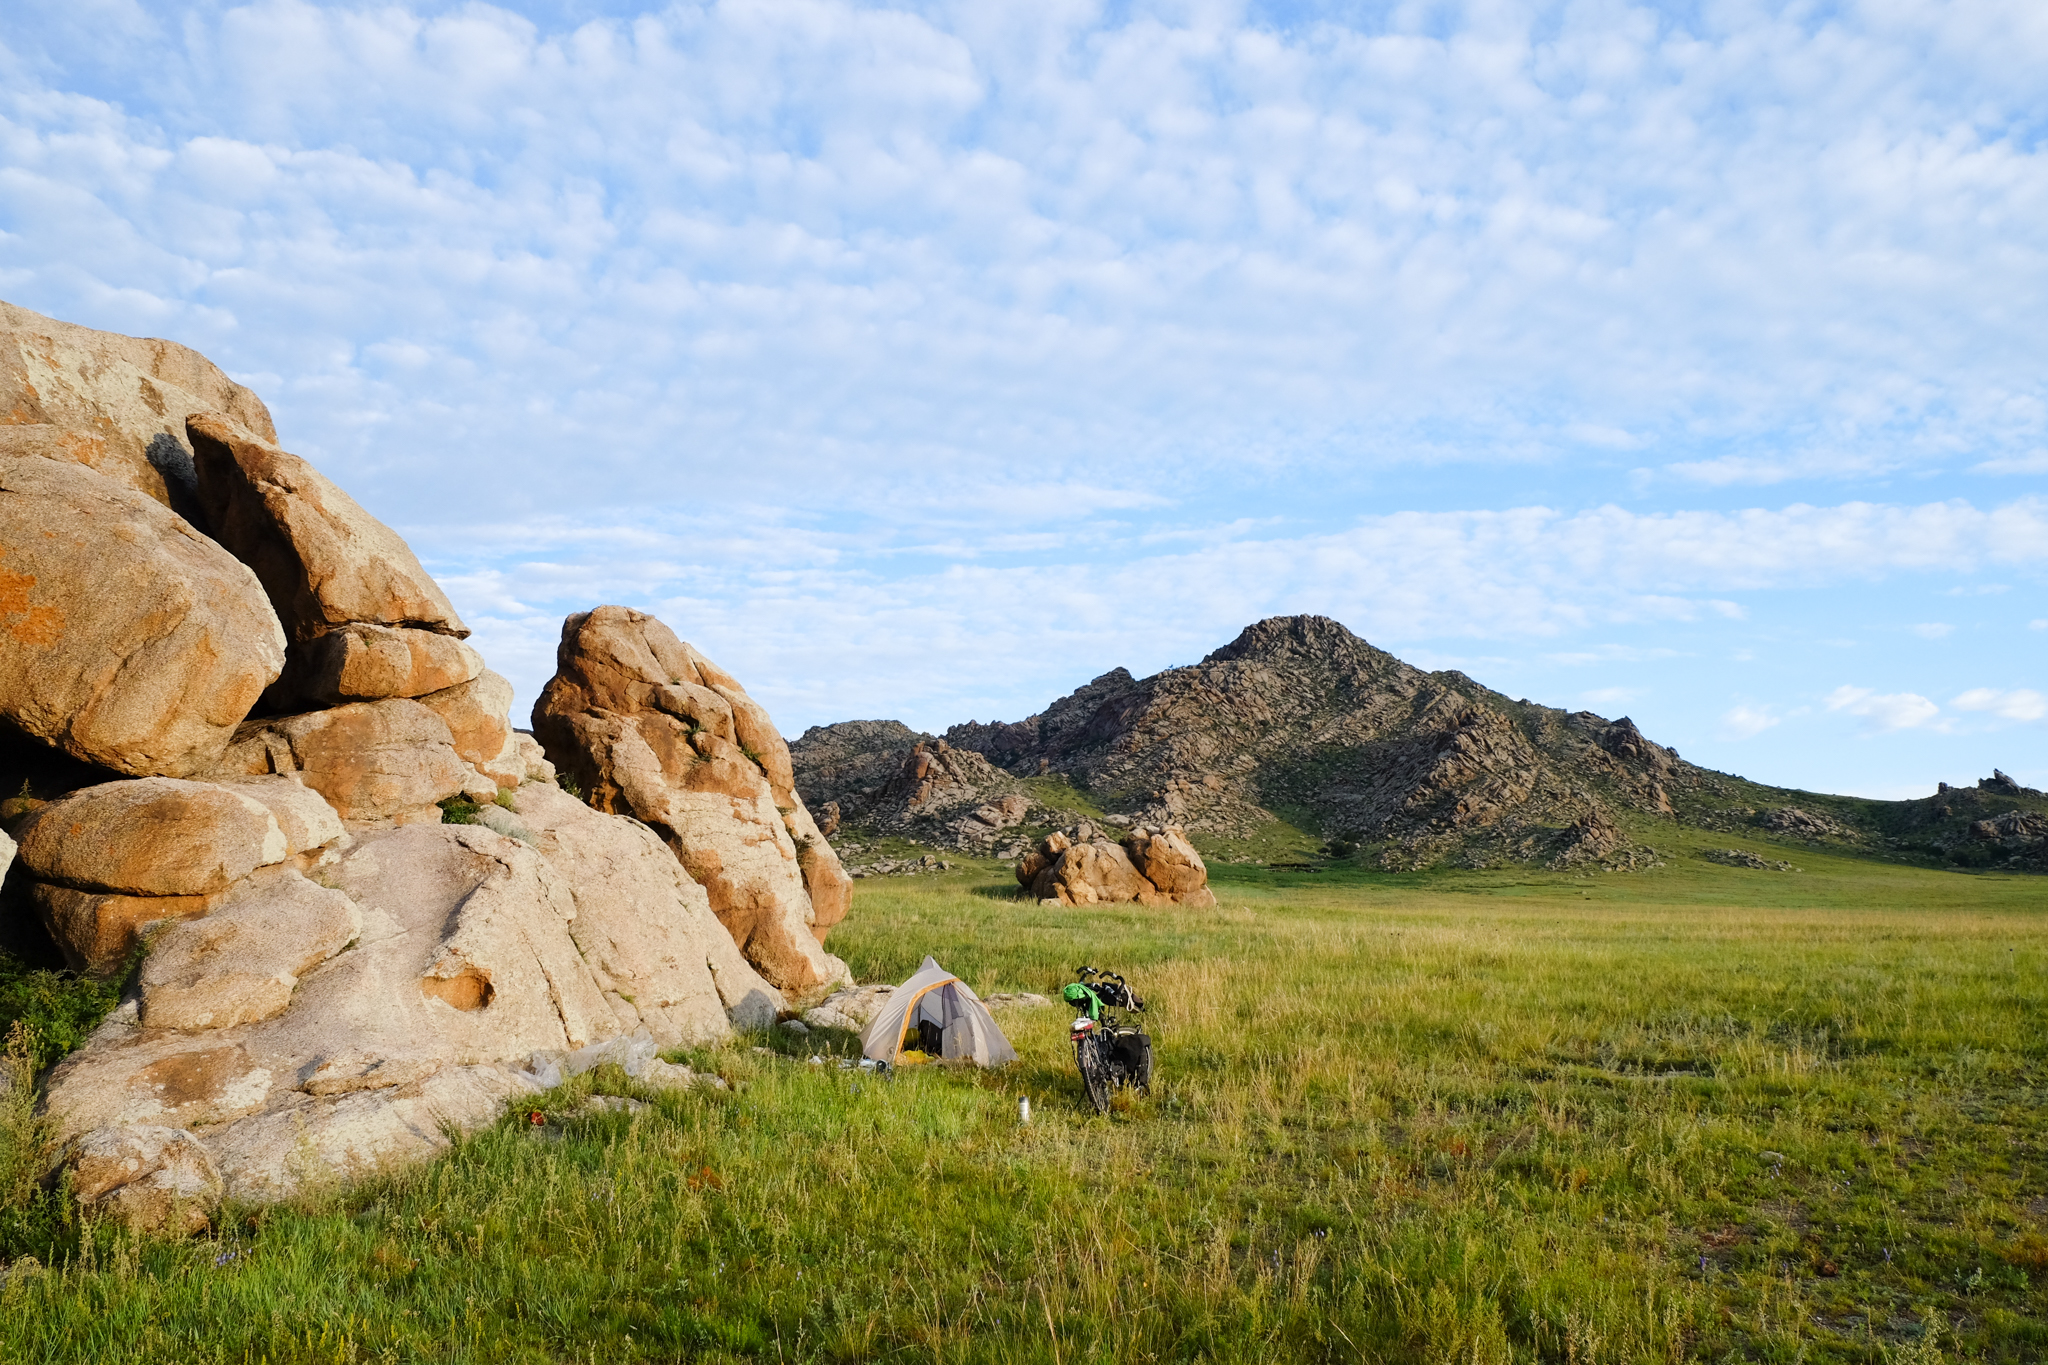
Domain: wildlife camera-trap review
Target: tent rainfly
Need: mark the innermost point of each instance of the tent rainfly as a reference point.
(964, 1029)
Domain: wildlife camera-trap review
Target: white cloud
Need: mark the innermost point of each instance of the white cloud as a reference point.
(2020, 703)
(1609, 696)
(2040, 623)
(1747, 722)
(2034, 462)
(1884, 712)
(1614, 654)
(1933, 630)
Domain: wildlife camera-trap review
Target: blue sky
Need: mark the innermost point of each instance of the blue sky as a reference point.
(1683, 361)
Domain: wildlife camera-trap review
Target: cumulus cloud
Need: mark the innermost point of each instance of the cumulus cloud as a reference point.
(907, 258)
(2019, 703)
(1883, 712)
(1747, 722)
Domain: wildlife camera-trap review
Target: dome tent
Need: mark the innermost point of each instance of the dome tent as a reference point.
(936, 1001)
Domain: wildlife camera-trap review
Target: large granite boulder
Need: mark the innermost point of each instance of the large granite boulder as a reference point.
(112, 859)
(115, 404)
(477, 714)
(325, 562)
(664, 961)
(651, 728)
(152, 1178)
(1090, 872)
(377, 763)
(308, 1033)
(153, 836)
(1164, 857)
(361, 662)
(127, 639)
(239, 963)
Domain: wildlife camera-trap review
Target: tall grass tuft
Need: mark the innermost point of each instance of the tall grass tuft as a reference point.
(27, 1139)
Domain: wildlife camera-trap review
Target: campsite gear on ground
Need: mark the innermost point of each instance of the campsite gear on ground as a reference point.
(1108, 1052)
(1023, 1109)
(935, 1016)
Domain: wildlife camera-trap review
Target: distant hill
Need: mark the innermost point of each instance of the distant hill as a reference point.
(1300, 721)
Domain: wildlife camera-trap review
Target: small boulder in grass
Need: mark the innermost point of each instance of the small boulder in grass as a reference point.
(154, 1179)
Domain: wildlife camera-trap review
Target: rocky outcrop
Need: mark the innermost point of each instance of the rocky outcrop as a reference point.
(127, 639)
(1742, 857)
(1154, 865)
(649, 727)
(2003, 785)
(232, 706)
(887, 779)
(1801, 824)
(113, 404)
(852, 761)
(2015, 824)
(325, 562)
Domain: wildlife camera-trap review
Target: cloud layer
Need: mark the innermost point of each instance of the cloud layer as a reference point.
(924, 359)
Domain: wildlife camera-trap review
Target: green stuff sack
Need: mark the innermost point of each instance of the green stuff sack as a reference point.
(1083, 999)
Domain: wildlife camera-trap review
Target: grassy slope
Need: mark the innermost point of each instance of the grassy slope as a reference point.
(1703, 1113)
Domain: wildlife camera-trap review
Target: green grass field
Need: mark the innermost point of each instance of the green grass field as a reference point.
(1699, 1113)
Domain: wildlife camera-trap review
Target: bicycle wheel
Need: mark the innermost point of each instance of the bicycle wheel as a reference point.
(1094, 1067)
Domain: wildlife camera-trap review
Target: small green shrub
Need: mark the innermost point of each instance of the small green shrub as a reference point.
(458, 810)
(57, 1009)
(504, 797)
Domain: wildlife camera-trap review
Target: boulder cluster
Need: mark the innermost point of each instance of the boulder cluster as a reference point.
(265, 782)
(1154, 865)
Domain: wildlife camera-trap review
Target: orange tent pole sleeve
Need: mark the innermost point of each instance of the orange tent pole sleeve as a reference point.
(910, 1011)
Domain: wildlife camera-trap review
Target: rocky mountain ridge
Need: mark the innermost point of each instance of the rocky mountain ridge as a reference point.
(1297, 718)
(1299, 715)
